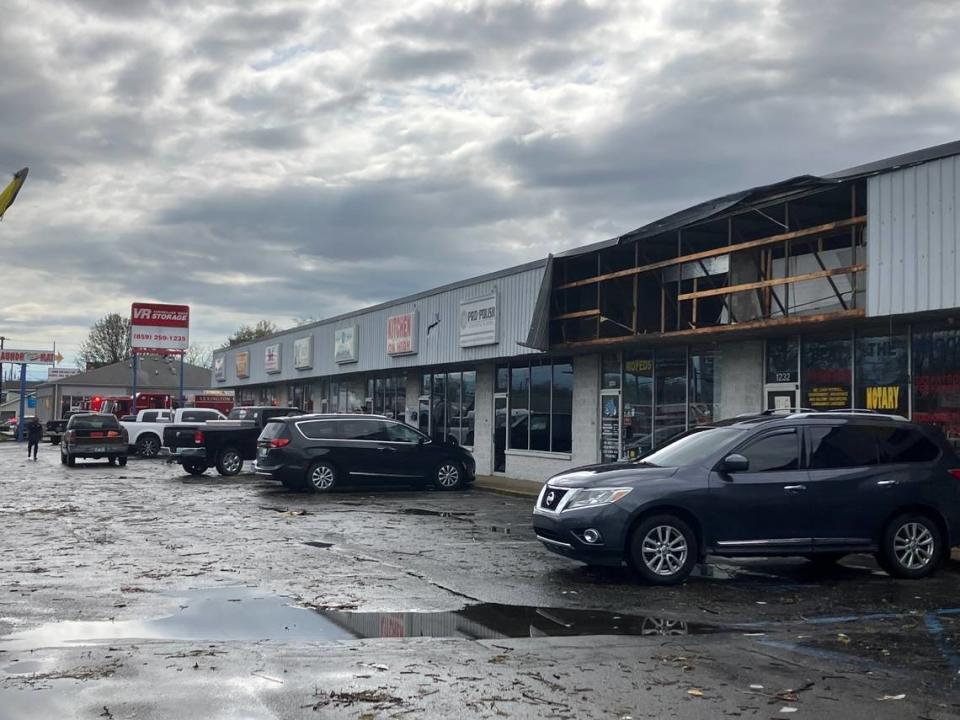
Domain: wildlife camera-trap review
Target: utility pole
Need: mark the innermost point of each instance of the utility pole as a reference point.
(2, 396)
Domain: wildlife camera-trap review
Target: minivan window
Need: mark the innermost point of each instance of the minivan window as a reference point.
(905, 445)
(360, 429)
(319, 429)
(773, 453)
(842, 446)
(398, 432)
(693, 447)
(272, 430)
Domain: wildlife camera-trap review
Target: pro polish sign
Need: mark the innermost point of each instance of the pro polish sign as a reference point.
(157, 328)
(478, 321)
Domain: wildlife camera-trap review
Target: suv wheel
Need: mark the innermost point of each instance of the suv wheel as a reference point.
(63, 457)
(71, 460)
(148, 446)
(663, 550)
(229, 462)
(448, 475)
(321, 477)
(912, 547)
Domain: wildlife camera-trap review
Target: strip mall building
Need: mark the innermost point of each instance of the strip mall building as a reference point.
(822, 292)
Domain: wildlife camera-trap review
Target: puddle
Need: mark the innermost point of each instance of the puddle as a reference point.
(22, 668)
(501, 530)
(232, 614)
(317, 544)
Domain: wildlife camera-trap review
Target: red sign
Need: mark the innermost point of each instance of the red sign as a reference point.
(402, 334)
(158, 328)
(29, 357)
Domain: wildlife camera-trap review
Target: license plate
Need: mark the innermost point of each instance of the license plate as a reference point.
(97, 448)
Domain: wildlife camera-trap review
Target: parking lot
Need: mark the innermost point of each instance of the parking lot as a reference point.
(144, 592)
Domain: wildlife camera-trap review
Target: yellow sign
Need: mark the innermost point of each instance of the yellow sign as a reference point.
(883, 398)
(638, 366)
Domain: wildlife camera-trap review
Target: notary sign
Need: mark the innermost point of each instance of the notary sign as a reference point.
(478, 321)
(28, 357)
(157, 328)
(271, 359)
(402, 334)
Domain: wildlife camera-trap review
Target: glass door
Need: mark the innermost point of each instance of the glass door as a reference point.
(499, 433)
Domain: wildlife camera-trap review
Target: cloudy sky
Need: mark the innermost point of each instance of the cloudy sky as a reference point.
(271, 159)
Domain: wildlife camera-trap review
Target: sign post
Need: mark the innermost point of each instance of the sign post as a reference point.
(21, 425)
(158, 329)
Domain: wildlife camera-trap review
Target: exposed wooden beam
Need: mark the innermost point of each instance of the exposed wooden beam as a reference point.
(789, 321)
(749, 244)
(775, 281)
(578, 314)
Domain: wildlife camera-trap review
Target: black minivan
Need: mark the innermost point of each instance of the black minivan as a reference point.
(814, 484)
(321, 452)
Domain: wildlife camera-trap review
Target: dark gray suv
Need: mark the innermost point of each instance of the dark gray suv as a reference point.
(820, 485)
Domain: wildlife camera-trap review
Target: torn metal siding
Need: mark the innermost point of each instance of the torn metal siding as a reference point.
(913, 238)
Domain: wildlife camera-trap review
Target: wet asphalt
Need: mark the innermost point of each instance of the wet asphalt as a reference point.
(143, 592)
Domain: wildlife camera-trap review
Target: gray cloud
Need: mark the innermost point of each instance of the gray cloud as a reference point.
(401, 62)
(296, 159)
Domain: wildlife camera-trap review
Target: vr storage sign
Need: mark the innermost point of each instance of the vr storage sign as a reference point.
(478, 321)
(156, 328)
(402, 334)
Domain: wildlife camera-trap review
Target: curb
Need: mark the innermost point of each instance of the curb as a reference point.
(510, 487)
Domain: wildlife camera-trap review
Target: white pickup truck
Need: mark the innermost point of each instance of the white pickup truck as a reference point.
(146, 432)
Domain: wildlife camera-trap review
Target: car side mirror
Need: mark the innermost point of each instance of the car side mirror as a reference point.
(735, 463)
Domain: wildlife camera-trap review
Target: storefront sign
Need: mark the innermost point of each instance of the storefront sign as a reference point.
(271, 359)
(220, 368)
(478, 321)
(345, 344)
(29, 357)
(610, 428)
(58, 373)
(303, 353)
(883, 398)
(402, 334)
(157, 328)
(830, 397)
(241, 362)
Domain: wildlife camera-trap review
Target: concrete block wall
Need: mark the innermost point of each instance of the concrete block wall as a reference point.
(741, 378)
(483, 419)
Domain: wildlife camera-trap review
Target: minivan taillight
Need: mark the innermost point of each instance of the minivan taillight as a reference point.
(279, 442)
(71, 435)
(955, 473)
(198, 437)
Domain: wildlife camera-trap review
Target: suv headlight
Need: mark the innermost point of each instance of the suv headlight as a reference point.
(600, 496)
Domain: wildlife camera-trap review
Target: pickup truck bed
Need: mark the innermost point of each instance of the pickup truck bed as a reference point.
(223, 444)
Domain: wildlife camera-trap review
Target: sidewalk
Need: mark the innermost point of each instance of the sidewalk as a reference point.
(508, 486)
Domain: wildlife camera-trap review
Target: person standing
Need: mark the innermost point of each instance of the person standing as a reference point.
(34, 435)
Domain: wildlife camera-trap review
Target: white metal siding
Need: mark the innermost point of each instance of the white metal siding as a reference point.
(913, 234)
(516, 296)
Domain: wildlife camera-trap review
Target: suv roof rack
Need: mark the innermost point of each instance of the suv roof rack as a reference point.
(865, 411)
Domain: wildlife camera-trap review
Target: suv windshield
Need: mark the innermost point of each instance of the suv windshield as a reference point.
(692, 447)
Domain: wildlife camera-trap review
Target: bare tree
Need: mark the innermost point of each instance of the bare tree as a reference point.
(199, 354)
(246, 333)
(108, 342)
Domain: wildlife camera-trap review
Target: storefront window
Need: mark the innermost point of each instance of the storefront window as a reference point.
(671, 395)
(541, 407)
(638, 401)
(611, 371)
(882, 374)
(826, 373)
(704, 397)
(783, 360)
(519, 408)
(936, 380)
(503, 379)
(468, 389)
(449, 410)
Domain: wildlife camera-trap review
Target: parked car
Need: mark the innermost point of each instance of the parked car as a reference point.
(319, 453)
(94, 435)
(56, 428)
(815, 484)
(224, 444)
(146, 432)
